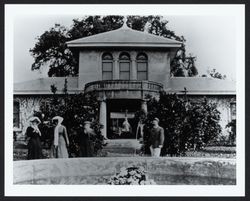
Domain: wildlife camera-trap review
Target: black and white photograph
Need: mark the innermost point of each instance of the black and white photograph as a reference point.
(108, 96)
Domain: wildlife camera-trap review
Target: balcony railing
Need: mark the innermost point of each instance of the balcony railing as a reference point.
(109, 85)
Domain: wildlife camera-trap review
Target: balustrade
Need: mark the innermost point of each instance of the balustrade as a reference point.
(123, 85)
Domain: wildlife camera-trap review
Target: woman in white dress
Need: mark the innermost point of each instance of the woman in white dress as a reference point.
(61, 140)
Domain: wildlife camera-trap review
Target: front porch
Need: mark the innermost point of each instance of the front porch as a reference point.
(119, 100)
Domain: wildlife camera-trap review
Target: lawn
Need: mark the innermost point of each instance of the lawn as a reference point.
(215, 151)
(20, 152)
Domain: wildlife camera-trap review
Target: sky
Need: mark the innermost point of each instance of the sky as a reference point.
(212, 39)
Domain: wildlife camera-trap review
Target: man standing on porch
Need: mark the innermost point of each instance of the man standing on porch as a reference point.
(156, 138)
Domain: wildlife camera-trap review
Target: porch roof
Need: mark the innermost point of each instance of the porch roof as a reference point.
(193, 85)
(43, 86)
(201, 86)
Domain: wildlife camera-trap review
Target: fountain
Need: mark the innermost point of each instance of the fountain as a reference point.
(163, 170)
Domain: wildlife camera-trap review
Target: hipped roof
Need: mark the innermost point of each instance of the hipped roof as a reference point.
(124, 37)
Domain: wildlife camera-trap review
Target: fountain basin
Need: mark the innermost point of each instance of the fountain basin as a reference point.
(164, 170)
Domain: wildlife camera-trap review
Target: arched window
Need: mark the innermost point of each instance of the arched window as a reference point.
(124, 61)
(142, 66)
(107, 66)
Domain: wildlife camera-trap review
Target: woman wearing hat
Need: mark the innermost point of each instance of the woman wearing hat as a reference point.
(34, 135)
(61, 140)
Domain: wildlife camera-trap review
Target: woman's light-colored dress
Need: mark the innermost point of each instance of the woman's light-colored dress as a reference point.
(63, 141)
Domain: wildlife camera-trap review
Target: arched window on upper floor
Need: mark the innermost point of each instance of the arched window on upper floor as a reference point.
(124, 66)
(142, 66)
(107, 66)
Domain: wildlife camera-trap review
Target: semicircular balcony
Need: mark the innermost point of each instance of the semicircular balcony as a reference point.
(125, 89)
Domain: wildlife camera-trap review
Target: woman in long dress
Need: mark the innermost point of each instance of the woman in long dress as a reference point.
(61, 140)
(34, 135)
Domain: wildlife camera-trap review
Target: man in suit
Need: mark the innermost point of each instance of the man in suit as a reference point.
(156, 138)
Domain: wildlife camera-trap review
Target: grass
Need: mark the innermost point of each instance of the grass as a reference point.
(20, 152)
(215, 151)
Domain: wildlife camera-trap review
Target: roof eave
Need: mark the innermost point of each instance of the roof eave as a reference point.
(40, 92)
(79, 45)
(202, 92)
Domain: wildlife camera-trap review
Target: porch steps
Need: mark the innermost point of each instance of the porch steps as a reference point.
(122, 147)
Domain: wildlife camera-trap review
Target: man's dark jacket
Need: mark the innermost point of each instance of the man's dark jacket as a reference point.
(156, 137)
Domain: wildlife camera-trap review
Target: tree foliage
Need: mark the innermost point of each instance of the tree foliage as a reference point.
(187, 124)
(75, 109)
(51, 50)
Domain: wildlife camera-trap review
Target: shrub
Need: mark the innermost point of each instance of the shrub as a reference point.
(187, 124)
(75, 109)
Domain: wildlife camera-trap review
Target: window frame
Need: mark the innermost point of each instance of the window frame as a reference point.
(141, 61)
(105, 61)
(128, 61)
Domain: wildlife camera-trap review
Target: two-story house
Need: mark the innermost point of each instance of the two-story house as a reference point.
(122, 67)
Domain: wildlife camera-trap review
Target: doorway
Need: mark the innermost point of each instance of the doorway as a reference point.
(121, 122)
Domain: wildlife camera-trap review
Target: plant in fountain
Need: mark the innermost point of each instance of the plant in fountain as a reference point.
(131, 176)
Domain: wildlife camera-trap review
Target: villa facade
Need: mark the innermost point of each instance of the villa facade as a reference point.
(123, 67)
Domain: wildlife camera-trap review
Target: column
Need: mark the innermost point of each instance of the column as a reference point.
(133, 70)
(103, 117)
(144, 106)
(116, 66)
(116, 70)
(133, 66)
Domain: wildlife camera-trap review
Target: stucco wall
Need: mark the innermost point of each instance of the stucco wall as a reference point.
(27, 106)
(159, 67)
(90, 65)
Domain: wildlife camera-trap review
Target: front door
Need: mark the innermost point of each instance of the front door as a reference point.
(121, 118)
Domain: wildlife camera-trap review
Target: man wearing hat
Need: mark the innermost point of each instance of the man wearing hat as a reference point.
(86, 143)
(156, 138)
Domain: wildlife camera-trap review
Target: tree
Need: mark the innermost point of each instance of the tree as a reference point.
(51, 50)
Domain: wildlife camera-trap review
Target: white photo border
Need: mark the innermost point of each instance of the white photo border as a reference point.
(13, 11)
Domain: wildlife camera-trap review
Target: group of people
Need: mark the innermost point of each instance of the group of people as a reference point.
(59, 148)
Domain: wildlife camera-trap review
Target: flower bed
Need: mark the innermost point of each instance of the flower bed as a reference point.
(131, 176)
